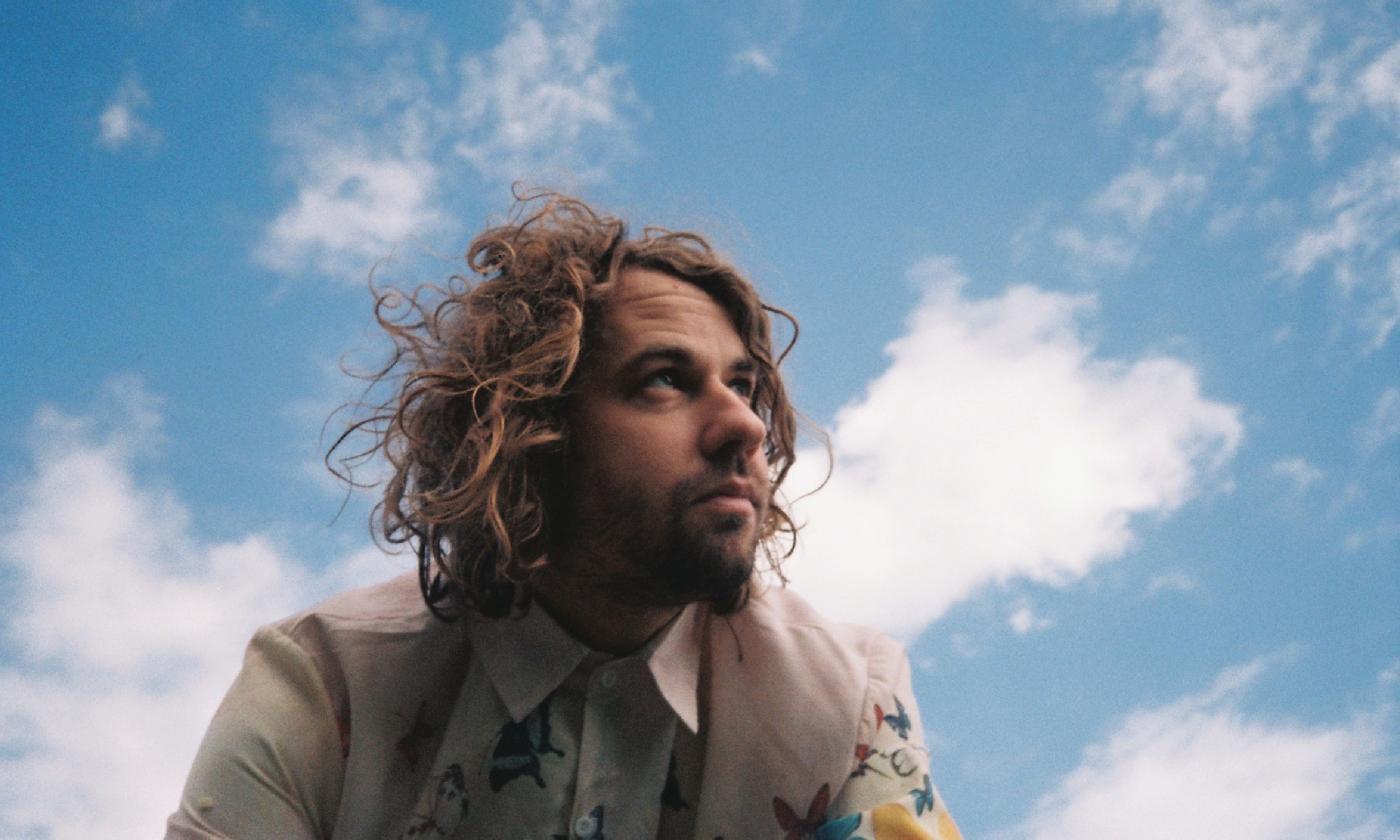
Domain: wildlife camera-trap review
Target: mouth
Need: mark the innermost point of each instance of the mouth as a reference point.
(734, 496)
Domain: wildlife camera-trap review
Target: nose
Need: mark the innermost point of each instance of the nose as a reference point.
(732, 430)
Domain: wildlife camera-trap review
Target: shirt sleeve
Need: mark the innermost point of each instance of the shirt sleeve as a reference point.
(889, 794)
(271, 763)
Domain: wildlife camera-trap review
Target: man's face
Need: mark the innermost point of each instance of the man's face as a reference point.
(666, 473)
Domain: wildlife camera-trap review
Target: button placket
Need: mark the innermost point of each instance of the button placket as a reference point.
(624, 748)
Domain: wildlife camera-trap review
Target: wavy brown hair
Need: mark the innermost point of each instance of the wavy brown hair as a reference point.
(475, 428)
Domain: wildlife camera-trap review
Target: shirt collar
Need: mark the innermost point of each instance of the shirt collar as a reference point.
(527, 658)
(674, 661)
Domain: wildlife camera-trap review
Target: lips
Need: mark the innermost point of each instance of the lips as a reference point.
(735, 489)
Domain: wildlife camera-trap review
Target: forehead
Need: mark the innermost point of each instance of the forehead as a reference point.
(649, 308)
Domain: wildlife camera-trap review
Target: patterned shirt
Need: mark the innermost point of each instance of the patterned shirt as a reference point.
(366, 717)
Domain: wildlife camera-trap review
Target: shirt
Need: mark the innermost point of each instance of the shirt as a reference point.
(366, 717)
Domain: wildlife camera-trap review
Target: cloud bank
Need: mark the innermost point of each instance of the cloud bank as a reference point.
(1202, 767)
(996, 445)
(122, 628)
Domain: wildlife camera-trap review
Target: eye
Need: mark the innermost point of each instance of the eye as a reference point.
(665, 378)
(743, 386)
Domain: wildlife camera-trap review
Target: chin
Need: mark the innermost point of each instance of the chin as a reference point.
(712, 567)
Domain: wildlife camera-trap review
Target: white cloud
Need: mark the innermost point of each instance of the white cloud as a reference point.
(1024, 619)
(1224, 222)
(373, 152)
(1170, 581)
(1383, 425)
(755, 58)
(1357, 238)
(1297, 472)
(128, 627)
(1217, 65)
(1379, 84)
(764, 35)
(1110, 236)
(542, 103)
(1202, 768)
(1382, 533)
(359, 152)
(1089, 254)
(1353, 83)
(996, 445)
(123, 122)
(376, 22)
(352, 208)
(1362, 209)
(1140, 193)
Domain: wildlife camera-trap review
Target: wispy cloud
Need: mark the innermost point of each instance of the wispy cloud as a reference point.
(1356, 81)
(765, 35)
(352, 207)
(1203, 767)
(1383, 425)
(755, 58)
(1140, 193)
(359, 151)
(1174, 580)
(1108, 236)
(1089, 254)
(997, 445)
(372, 151)
(123, 121)
(1381, 533)
(1232, 80)
(1379, 84)
(125, 626)
(1207, 74)
(1356, 237)
(1217, 65)
(1023, 618)
(542, 103)
(1297, 472)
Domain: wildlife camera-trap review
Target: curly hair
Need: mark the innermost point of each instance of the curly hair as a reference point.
(481, 371)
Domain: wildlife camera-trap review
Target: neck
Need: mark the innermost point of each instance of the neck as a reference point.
(589, 613)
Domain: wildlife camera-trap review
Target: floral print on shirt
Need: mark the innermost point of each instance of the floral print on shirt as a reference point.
(686, 740)
(889, 789)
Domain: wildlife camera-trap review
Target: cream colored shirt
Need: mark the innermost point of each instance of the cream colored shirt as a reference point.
(366, 717)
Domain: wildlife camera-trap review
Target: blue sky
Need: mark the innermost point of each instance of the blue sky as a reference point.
(1099, 304)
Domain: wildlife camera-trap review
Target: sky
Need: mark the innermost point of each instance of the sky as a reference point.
(1099, 305)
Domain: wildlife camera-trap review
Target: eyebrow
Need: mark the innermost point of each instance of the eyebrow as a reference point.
(679, 356)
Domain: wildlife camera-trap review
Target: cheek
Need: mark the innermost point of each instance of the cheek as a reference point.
(629, 437)
(614, 458)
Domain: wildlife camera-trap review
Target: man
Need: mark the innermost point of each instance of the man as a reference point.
(586, 450)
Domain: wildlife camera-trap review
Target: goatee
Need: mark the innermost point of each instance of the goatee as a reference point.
(675, 553)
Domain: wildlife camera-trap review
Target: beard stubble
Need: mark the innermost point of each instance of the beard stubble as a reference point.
(669, 553)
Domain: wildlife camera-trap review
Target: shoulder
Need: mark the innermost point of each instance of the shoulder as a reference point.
(789, 689)
(781, 618)
(369, 625)
(369, 645)
(393, 606)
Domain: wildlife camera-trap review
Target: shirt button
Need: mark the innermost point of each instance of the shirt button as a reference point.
(584, 826)
(609, 679)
